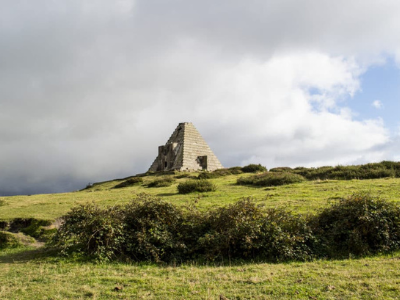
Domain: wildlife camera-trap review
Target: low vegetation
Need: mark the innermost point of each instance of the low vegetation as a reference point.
(210, 245)
(253, 168)
(149, 229)
(130, 182)
(271, 179)
(161, 182)
(8, 240)
(367, 171)
(200, 186)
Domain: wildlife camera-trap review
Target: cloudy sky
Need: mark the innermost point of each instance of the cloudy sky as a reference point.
(90, 89)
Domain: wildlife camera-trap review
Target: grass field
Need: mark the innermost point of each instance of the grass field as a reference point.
(34, 273)
(304, 197)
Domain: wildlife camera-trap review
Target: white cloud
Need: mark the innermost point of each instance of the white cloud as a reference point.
(377, 104)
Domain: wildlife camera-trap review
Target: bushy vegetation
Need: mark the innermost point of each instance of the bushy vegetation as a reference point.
(253, 168)
(153, 230)
(244, 230)
(271, 179)
(220, 173)
(130, 182)
(359, 225)
(200, 185)
(161, 182)
(367, 171)
(148, 229)
(8, 240)
(96, 232)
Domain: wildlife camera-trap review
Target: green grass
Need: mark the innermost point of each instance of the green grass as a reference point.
(28, 274)
(305, 197)
(36, 274)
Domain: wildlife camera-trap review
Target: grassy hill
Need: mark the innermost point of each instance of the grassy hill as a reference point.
(28, 272)
(305, 197)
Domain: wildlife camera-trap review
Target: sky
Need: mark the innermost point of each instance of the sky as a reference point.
(90, 89)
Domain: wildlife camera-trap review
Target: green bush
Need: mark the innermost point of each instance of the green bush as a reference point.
(285, 236)
(244, 230)
(359, 225)
(217, 173)
(35, 227)
(183, 175)
(253, 168)
(8, 240)
(235, 170)
(270, 179)
(94, 231)
(281, 169)
(231, 231)
(367, 171)
(148, 229)
(130, 182)
(153, 230)
(200, 186)
(208, 175)
(162, 182)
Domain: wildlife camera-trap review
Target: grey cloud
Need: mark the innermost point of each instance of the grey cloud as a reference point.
(89, 90)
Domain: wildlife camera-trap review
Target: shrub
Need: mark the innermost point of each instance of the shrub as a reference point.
(94, 231)
(236, 170)
(152, 230)
(281, 169)
(35, 227)
(148, 229)
(270, 179)
(367, 171)
(216, 173)
(183, 175)
(200, 186)
(360, 224)
(222, 172)
(244, 230)
(161, 182)
(8, 240)
(208, 175)
(253, 168)
(285, 236)
(231, 231)
(130, 182)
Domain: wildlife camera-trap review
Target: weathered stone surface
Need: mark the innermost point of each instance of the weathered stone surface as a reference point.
(186, 150)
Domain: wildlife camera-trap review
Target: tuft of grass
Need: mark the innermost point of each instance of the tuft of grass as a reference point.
(161, 182)
(200, 186)
(253, 168)
(271, 179)
(130, 182)
(8, 240)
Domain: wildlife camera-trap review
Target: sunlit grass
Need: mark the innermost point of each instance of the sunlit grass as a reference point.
(304, 197)
(24, 276)
(29, 273)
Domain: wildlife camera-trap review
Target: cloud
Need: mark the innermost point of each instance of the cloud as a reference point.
(377, 104)
(89, 90)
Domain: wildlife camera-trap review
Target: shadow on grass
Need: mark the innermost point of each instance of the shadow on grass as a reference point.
(23, 254)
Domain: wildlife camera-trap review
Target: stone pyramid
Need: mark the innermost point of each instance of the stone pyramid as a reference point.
(186, 150)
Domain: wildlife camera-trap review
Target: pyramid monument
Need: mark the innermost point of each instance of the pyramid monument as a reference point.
(186, 150)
